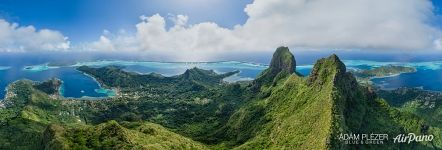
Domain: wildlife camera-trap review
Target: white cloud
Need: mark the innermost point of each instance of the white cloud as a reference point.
(438, 44)
(316, 24)
(376, 24)
(182, 41)
(26, 38)
(179, 20)
(103, 43)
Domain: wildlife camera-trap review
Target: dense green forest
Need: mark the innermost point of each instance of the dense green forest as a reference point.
(280, 109)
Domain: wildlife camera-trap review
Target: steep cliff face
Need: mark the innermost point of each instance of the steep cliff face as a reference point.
(283, 61)
(311, 112)
(345, 99)
(298, 112)
(283, 64)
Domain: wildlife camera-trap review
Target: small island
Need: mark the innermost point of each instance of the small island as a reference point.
(39, 68)
(383, 71)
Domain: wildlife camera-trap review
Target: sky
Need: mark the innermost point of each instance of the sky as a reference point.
(83, 20)
(205, 29)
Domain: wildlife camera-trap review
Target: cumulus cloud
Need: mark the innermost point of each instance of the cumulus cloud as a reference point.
(375, 24)
(14, 38)
(316, 24)
(182, 41)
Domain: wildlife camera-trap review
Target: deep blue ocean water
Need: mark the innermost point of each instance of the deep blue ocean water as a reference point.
(428, 75)
(426, 79)
(76, 84)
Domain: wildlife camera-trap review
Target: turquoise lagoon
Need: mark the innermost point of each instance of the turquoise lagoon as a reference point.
(77, 84)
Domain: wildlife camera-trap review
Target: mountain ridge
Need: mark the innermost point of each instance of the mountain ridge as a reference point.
(196, 110)
(320, 107)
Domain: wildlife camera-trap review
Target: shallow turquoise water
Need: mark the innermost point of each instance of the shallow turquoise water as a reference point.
(76, 84)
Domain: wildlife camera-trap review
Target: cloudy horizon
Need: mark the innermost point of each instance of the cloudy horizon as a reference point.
(364, 25)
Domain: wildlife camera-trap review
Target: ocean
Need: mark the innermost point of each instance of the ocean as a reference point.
(77, 85)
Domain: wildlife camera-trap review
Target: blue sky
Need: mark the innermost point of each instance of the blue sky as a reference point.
(438, 11)
(206, 29)
(84, 20)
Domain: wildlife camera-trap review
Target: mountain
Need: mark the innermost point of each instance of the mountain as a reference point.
(115, 76)
(283, 63)
(312, 112)
(197, 110)
(202, 75)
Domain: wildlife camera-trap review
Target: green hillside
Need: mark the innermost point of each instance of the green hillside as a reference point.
(311, 113)
(34, 120)
(197, 110)
(112, 135)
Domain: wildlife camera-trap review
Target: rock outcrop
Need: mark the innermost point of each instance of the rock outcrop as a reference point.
(283, 64)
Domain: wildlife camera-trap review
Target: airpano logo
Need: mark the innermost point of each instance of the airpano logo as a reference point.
(411, 137)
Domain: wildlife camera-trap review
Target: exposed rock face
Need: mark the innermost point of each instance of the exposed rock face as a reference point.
(283, 61)
(283, 64)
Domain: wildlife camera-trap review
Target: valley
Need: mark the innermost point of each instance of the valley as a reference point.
(280, 109)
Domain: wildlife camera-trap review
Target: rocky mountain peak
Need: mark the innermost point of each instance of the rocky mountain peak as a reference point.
(326, 69)
(283, 60)
(283, 64)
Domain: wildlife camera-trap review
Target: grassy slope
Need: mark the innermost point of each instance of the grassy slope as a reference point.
(310, 113)
(112, 135)
(27, 115)
(287, 112)
(411, 101)
(300, 113)
(302, 117)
